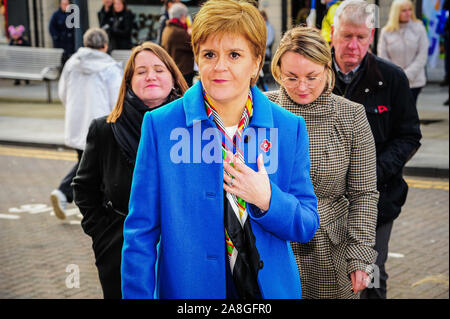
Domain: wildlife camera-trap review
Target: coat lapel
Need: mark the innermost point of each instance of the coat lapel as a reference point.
(319, 117)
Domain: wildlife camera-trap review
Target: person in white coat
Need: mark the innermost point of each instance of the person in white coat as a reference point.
(404, 42)
(88, 88)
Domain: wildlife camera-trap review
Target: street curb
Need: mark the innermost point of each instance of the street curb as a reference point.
(12, 99)
(426, 172)
(35, 144)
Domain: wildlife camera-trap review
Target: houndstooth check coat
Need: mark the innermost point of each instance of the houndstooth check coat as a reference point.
(343, 172)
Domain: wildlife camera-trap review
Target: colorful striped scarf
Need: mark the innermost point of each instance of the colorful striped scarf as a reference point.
(240, 243)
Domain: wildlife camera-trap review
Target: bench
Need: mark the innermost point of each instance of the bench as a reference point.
(29, 63)
(121, 56)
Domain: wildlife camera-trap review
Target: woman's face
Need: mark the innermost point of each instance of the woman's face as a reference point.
(226, 65)
(107, 3)
(151, 81)
(303, 79)
(405, 13)
(118, 5)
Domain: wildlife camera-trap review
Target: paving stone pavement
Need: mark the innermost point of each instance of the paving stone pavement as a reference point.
(36, 248)
(420, 234)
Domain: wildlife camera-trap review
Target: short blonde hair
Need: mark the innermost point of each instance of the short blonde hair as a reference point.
(393, 23)
(309, 43)
(179, 83)
(220, 17)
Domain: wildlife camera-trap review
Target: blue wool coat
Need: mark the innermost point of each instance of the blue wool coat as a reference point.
(177, 202)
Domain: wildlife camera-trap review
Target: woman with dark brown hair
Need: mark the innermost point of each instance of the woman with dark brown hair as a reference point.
(103, 181)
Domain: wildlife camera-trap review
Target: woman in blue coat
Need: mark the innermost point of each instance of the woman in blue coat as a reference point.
(221, 181)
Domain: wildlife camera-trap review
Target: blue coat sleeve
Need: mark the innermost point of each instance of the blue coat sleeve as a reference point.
(142, 226)
(293, 215)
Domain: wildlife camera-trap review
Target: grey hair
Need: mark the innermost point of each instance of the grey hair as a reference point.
(355, 12)
(177, 10)
(95, 38)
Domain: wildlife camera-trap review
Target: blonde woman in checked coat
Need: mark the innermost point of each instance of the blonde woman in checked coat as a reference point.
(336, 263)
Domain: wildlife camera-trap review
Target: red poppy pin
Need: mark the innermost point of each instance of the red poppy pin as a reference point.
(382, 108)
(265, 145)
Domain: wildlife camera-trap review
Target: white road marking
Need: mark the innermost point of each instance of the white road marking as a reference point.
(38, 209)
(31, 209)
(396, 255)
(42, 210)
(6, 216)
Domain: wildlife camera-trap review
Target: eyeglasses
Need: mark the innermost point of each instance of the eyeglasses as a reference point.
(293, 82)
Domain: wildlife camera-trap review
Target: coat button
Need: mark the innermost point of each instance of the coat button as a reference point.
(261, 264)
(380, 83)
(366, 90)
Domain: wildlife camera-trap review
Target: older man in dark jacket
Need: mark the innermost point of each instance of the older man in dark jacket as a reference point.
(383, 89)
(176, 40)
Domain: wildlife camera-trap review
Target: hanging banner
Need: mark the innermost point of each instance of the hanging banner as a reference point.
(311, 19)
(434, 19)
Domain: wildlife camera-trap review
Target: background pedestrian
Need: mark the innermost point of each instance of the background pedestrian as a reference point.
(63, 36)
(383, 89)
(17, 38)
(327, 21)
(103, 181)
(270, 36)
(105, 15)
(121, 26)
(404, 42)
(164, 17)
(88, 88)
(176, 40)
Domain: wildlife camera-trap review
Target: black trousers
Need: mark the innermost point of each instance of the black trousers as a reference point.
(65, 187)
(383, 235)
(415, 92)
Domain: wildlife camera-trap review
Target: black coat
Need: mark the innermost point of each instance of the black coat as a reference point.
(101, 191)
(105, 17)
(383, 89)
(120, 29)
(62, 36)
